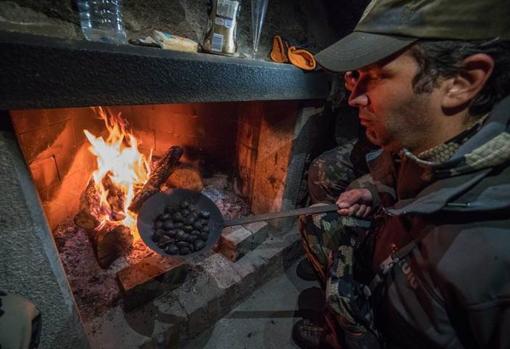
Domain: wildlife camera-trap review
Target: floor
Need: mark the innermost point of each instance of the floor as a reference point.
(265, 319)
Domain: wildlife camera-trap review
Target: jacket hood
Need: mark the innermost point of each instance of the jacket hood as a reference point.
(472, 163)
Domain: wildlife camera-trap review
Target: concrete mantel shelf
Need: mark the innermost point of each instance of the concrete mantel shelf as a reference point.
(44, 72)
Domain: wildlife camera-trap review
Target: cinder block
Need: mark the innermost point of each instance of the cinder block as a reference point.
(272, 256)
(194, 296)
(247, 270)
(260, 232)
(238, 240)
(146, 280)
(235, 242)
(221, 272)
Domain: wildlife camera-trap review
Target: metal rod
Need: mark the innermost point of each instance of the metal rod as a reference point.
(291, 213)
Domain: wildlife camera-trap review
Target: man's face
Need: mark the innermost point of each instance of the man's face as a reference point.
(393, 115)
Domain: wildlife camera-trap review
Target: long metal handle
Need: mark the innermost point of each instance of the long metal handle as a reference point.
(290, 213)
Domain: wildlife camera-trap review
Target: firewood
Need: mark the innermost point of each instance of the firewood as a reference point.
(158, 177)
(109, 242)
(115, 198)
(89, 215)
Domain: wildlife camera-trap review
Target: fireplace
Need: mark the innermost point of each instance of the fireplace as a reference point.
(249, 157)
(248, 143)
(249, 129)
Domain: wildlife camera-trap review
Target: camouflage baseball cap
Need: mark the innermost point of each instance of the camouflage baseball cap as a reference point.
(388, 26)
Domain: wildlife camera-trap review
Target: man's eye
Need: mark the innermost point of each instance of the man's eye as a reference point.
(374, 76)
(351, 78)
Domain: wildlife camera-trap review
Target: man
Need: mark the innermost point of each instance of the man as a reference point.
(431, 81)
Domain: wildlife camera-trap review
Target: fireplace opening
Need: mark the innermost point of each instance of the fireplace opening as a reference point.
(241, 155)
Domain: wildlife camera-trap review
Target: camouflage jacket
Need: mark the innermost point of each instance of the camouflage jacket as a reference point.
(453, 289)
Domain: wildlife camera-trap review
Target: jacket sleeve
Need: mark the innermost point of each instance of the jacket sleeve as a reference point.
(475, 275)
(382, 194)
(490, 324)
(381, 181)
(367, 182)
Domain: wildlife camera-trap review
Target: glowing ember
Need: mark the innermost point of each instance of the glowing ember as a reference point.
(121, 169)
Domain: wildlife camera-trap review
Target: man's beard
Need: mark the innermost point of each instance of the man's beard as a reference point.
(407, 125)
(383, 138)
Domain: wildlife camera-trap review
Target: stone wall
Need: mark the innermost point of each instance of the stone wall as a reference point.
(29, 263)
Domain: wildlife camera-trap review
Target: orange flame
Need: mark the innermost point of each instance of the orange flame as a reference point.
(121, 165)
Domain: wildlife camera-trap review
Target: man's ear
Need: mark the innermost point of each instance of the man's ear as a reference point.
(461, 89)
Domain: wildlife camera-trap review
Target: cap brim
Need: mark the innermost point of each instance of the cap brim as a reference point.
(360, 49)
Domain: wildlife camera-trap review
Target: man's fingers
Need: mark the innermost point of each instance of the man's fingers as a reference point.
(355, 202)
(343, 211)
(348, 198)
(348, 211)
(356, 210)
(361, 211)
(352, 210)
(343, 204)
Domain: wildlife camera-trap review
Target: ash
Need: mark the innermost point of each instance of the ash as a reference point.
(95, 289)
(220, 190)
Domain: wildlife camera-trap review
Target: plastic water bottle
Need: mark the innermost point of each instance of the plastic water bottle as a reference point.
(101, 20)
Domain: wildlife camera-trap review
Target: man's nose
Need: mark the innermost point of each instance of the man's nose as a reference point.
(354, 84)
(358, 98)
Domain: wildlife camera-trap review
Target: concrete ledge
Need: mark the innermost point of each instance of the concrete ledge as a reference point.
(214, 286)
(52, 70)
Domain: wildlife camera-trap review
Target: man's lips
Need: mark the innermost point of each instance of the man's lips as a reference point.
(365, 117)
(364, 121)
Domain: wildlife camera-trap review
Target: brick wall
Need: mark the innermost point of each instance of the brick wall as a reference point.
(250, 141)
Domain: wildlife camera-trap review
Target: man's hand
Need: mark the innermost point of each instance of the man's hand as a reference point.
(355, 202)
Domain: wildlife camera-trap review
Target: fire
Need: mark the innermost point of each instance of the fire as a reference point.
(121, 169)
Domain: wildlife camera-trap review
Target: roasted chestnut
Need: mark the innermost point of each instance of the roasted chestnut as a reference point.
(181, 229)
(172, 249)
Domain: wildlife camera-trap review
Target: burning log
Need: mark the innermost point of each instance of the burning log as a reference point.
(111, 239)
(89, 215)
(109, 242)
(158, 177)
(121, 169)
(91, 212)
(116, 199)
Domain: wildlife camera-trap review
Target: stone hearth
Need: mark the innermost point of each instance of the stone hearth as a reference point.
(213, 287)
